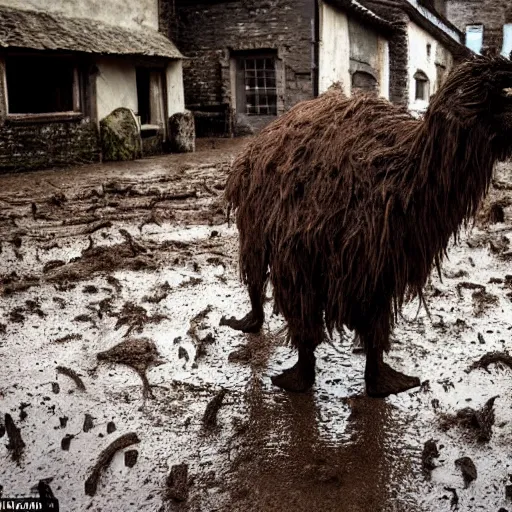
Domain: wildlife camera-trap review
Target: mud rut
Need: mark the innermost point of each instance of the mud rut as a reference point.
(120, 390)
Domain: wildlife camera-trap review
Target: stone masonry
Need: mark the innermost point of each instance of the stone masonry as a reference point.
(209, 32)
(26, 146)
(493, 14)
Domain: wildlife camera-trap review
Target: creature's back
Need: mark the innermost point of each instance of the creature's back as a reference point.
(321, 142)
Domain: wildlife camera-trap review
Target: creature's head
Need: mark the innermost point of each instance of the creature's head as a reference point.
(479, 93)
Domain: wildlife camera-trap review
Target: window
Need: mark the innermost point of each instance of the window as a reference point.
(150, 98)
(260, 85)
(474, 37)
(507, 40)
(41, 85)
(363, 81)
(422, 86)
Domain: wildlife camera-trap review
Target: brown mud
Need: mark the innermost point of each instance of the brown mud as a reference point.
(121, 273)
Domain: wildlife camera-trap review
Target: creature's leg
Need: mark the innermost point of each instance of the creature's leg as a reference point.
(305, 336)
(257, 280)
(381, 380)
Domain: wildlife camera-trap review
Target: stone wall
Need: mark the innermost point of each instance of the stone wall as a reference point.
(37, 145)
(210, 32)
(493, 14)
(398, 51)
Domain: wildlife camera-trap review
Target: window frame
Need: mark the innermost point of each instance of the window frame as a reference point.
(77, 92)
(421, 78)
(241, 59)
(468, 29)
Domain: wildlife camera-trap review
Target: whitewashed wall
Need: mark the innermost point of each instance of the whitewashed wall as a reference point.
(384, 67)
(175, 92)
(419, 60)
(337, 49)
(116, 86)
(334, 50)
(126, 13)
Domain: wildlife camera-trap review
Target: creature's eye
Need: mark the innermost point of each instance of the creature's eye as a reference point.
(507, 92)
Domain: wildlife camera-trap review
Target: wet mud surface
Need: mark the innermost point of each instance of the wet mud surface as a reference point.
(120, 388)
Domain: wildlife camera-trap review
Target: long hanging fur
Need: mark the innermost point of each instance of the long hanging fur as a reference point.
(352, 201)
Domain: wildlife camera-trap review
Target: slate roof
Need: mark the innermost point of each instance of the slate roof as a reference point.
(44, 31)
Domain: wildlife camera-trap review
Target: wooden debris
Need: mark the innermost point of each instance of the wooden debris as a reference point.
(137, 353)
(468, 469)
(134, 246)
(492, 358)
(177, 483)
(136, 317)
(52, 264)
(68, 372)
(104, 459)
(130, 458)
(88, 423)
(454, 502)
(210, 414)
(480, 421)
(430, 452)
(96, 226)
(16, 444)
(68, 337)
(469, 286)
(66, 442)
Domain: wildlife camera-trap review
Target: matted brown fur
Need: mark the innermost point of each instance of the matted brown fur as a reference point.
(348, 203)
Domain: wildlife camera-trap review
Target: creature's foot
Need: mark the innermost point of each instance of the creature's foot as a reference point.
(386, 381)
(299, 378)
(249, 323)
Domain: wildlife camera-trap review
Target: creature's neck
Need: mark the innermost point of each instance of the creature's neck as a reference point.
(454, 168)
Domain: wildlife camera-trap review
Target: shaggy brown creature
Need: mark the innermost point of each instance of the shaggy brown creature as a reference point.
(346, 204)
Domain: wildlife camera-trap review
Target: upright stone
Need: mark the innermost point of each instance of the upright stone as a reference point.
(182, 133)
(120, 136)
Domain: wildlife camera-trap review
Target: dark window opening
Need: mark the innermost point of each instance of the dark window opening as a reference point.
(422, 86)
(363, 81)
(143, 99)
(39, 85)
(260, 86)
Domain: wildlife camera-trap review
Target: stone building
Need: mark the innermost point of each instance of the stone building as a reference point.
(250, 60)
(486, 23)
(66, 65)
(423, 48)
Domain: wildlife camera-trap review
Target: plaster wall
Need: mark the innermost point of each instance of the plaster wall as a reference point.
(426, 54)
(116, 86)
(334, 48)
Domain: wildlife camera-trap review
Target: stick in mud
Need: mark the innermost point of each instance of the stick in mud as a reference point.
(16, 443)
(430, 452)
(91, 484)
(210, 414)
(96, 227)
(72, 375)
(177, 483)
(468, 470)
(490, 358)
(68, 337)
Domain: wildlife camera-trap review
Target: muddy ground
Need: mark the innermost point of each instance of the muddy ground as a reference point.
(140, 254)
